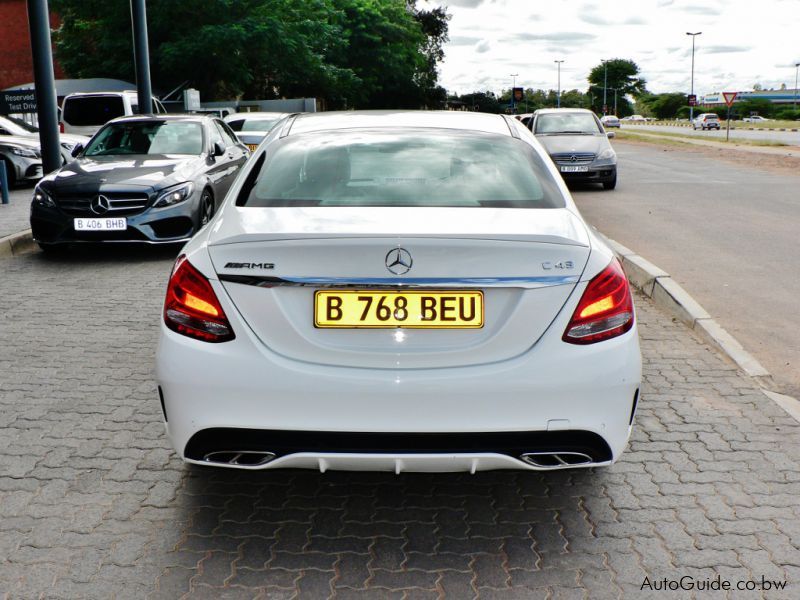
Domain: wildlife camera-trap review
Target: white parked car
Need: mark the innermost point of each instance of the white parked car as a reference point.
(755, 119)
(86, 113)
(634, 118)
(398, 291)
(252, 127)
(14, 126)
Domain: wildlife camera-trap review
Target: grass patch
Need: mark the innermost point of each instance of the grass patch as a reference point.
(766, 125)
(675, 137)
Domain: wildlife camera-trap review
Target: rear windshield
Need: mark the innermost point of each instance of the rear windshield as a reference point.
(564, 123)
(148, 137)
(260, 124)
(92, 110)
(401, 168)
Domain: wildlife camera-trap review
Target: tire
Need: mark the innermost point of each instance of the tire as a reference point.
(610, 185)
(206, 207)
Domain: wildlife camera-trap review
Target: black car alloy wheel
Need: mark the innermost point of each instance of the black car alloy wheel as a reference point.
(206, 207)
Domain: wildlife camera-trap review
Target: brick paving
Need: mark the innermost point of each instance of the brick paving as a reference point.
(93, 503)
(15, 216)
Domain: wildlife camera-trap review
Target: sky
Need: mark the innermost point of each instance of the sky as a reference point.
(742, 43)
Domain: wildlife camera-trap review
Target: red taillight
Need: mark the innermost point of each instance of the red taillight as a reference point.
(605, 310)
(61, 127)
(192, 308)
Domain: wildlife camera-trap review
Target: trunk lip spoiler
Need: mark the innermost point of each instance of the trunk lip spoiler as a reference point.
(397, 282)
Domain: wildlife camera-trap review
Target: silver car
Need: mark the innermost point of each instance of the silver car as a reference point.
(578, 145)
(22, 158)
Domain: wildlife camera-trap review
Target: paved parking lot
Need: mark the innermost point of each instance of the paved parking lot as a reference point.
(93, 504)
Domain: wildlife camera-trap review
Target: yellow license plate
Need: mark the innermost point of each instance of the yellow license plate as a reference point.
(384, 309)
(252, 147)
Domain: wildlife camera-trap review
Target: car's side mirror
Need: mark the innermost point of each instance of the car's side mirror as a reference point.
(77, 149)
(218, 149)
(611, 134)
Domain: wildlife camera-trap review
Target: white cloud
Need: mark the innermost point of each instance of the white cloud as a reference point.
(741, 43)
(482, 46)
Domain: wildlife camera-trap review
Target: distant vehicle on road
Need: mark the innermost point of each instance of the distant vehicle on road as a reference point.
(86, 113)
(755, 119)
(140, 179)
(634, 118)
(706, 121)
(577, 144)
(398, 291)
(610, 121)
(252, 127)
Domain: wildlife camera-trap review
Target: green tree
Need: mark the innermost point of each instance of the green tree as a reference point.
(662, 106)
(362, 53)
(618, 73)
(480, 102)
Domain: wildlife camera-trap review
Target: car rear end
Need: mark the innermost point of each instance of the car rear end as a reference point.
(368, 327)
(85, 114)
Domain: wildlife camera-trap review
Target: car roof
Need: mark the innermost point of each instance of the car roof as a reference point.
(545, 111)
(251, 115)
(82, 94)
(407, 119)
(196, 118)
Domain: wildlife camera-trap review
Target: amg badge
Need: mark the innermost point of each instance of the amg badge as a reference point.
(238, 265)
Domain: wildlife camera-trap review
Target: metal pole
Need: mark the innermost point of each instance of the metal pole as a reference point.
(513, 85)
(558, 91)
(691, 108)
(615, 101)
(3, 182)
(605, 85)
(141, 56)
(795, 84)
(44, 80)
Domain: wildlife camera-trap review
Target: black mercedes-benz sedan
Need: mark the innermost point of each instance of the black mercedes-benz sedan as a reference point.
(139, 179)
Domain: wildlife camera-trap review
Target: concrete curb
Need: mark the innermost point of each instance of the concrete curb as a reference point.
(668, 295)
(17, 243)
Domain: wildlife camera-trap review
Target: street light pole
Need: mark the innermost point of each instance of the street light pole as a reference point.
(691, 108)
(795, 83)
(558, 91)
(605, 85)
(513, 85)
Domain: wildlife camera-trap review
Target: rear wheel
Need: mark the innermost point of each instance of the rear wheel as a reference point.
(206, 208)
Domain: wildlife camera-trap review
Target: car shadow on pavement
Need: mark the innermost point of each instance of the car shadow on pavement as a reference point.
(111, 253)
(278, 531)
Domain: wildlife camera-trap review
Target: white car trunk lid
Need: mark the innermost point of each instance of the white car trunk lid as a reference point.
(525, 262)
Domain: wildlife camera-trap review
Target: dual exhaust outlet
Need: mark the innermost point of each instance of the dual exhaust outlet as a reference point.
(540, 460)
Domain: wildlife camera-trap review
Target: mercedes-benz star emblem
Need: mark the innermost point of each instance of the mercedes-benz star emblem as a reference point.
(573, 158)
(399, 261)
(100, 205)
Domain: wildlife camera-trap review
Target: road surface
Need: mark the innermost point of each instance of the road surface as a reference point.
(727, 233)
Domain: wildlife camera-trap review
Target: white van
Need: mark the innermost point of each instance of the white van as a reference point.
(86, 113)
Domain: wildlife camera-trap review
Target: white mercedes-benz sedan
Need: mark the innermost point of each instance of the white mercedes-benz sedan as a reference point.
(398, 291)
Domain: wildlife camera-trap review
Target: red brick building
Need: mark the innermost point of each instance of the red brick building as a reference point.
(16, 63)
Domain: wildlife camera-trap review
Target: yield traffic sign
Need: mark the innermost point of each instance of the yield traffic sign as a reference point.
(729, 97)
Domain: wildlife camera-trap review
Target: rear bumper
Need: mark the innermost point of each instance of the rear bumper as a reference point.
(555, 391)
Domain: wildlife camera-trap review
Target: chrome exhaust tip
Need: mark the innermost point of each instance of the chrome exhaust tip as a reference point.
(241, 458)
(556, 460)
